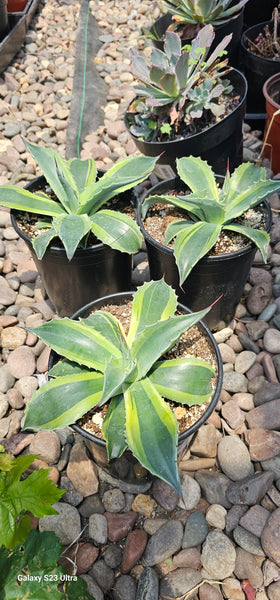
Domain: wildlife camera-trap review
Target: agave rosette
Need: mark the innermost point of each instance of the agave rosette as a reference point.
(103, 365)
(216, 12)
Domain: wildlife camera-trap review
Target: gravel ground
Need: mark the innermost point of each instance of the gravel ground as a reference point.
(141, 543)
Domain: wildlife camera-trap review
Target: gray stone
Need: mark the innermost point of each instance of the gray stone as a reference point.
(190, 493)
(248, 541)
(271, 340)
(250, 490)
(103, 575)
(214, 487)
(98, 528)
(71, 496)
(269, 391)
(266, 416)
(196, 530)
(164, 543)
(180, 582)
(247, 343)
(234, 457)
(218, 555)
(235, 382)
(93, 588)
(113, 556)
(114, 500)
(7, 380)
(233, 516)
(148, 585)
(268, 312)
(270, 537)
(124, 588)
(91, 504)
(66, 524)
(255, 519)
(246, 567)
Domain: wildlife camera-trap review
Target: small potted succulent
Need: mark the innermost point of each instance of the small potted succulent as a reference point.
(134, 372)
(215, 234)
(188, 102)
(187, 17)
(271, 142)
(82, 246)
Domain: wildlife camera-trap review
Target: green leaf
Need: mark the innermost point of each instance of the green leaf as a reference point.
(71, 229)
(109, 327)
(41, 242)
(83, 172)
(172, 44)
(78, 341)
(170, 85)
(117, 230)
(48, 159)
(156, 339)
(153, 301)
(66, 367)
(257, 236)
(173, 229)
(182, 70)
(192, 244)
(121, 177)
(113, 427)
(117, 372)
(151, 431)
(19, 198)
(184, 380)
(251, 197)
(63, 401)
(36, 493)
(198, 176)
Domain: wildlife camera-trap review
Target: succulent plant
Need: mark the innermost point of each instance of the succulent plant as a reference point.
(78, 206)
(215, 12)
(211, 209)
(179, 81)
(130, 372)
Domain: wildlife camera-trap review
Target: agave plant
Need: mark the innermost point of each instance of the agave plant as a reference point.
(210, 209)
(79, 196)
(130, 371)
(177, 82)
(215, 12)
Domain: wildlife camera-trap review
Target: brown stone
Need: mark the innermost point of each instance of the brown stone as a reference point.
(266, 416)
(81, 470)
(119, 525)
(270, 537)
(263, 443)
(134, 547)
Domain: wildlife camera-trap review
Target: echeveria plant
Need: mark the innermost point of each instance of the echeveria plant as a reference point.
(130, 371)
(215, 12)
(77, 208)
(211, 209)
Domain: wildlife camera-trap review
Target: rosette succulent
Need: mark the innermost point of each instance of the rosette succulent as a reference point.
(216, 12)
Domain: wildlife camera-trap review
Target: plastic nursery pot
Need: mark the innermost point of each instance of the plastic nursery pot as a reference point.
(257, 11)
(220, 143)
(93, 272)
(213, 276)
(3, 19)
(126, 467)
(257, 69)
(271, 91)
(233, 26)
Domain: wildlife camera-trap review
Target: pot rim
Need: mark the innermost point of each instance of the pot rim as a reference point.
(267, 89)
(168, 143)
(216, 27)
(206, 259)
(216, 394)
(260, 27)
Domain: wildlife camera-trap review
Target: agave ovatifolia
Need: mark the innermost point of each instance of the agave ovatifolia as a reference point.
(216, 12)
(209, 209)
(103, 364)
(80, 196)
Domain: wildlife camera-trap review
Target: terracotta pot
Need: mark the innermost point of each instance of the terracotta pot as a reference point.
(271, 91)
(16, 5)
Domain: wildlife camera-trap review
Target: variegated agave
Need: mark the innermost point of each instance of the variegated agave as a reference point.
(103, 364)
(80, 196)
(215, 12)
(210, 210)
(178, 83)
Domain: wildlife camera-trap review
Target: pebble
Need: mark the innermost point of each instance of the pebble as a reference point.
(190, 493)
(270, 537)
(103, 575)
(148, 585)
(266, 416)
(195, 530)
(218, 555)
(214, 487)
(66, 524)
(216, 516)
(255, 519)
(135, 545)
(164, 543)
(47, 444)
(263, 443)
(250, 490)
(82, 471)
(247, 567)
(248, 541)
(234, 457)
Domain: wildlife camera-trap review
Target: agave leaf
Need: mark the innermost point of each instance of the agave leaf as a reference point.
(71, 229)
(153, 301)
(19, 198)
(121, 177)
(116, 373)
(68, 183)
(198, 176)
(109, 327)
(151, 431)
(41, 242)
(153, 341)
(251, 197)
(47, 159)
(78, 342)
(242, 178)
(83, 171)
(66, 367)
(184, 380)
(117, 230)
(180, 201)
(173, 229)
(257, 236)
(113, 427)
(67, 399)
(192, 244)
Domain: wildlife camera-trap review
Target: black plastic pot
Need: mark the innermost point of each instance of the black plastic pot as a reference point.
(3, 19)
(126, 467)
(233, 26)
(211, 277)
(93, 272)
(219, 144)
(257, 11)
(257, 70)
